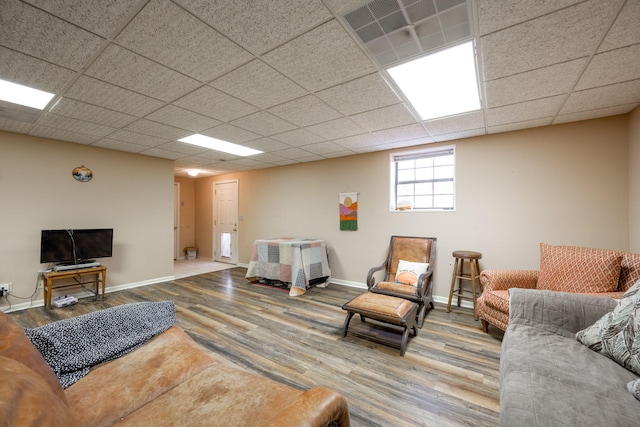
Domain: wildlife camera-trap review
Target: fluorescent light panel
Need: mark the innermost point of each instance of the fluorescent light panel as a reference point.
(441, 84)
(24, 95)
(219, 145)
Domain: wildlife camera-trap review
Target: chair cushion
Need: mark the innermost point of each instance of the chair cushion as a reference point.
(498, 299)
(578, 269)
(396, 287)
(27, 400)
(408, 272)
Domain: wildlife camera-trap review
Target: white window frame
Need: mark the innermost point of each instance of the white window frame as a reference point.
(446, 182)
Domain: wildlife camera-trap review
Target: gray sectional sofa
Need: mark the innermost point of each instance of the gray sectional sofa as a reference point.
(548, 378)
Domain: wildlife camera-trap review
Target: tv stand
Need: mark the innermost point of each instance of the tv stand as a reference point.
(99, 273)
(80, 265)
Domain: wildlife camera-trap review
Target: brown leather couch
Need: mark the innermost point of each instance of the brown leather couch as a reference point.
(170, 380)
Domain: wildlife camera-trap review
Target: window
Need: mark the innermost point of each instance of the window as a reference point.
(423, 180)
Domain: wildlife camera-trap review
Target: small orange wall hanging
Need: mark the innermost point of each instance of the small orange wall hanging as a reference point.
(349, 211)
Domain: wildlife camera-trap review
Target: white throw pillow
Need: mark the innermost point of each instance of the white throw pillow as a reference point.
(408, 272)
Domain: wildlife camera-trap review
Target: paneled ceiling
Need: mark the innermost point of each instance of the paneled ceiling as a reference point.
(291, 78)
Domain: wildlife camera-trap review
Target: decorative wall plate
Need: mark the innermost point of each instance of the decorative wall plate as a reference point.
(82, 174)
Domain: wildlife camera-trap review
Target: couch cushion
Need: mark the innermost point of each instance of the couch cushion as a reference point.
(578, 269)
(27, 400)
(629, 271)
(14, 344)
(617, 334)
(137, 378)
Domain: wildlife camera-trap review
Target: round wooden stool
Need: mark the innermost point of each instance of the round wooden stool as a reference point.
(472, 277)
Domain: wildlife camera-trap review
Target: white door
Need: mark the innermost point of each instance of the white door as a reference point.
(176, 220)
(225, 221)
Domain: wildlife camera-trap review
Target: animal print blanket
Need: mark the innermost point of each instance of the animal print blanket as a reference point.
(72, 346)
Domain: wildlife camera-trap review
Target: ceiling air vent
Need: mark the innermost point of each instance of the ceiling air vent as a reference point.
(11, 111)
(395, 30)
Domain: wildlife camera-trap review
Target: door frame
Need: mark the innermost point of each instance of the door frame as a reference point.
(234, 238)
(176, 220)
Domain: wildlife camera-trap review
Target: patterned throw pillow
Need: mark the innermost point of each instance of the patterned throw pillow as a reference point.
(409, 272)
(634, 388)
(578, 269)
(617, 334)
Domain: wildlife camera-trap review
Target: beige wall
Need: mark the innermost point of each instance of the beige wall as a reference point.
(187, 214)
(565, 184)
(130, 193)
(634, 180)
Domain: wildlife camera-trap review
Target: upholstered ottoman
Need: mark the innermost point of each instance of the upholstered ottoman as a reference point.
(387, 309)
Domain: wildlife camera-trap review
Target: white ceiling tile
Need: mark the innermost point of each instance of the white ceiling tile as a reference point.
(539, 108)
(541, 83)
(98, 16)
(158, 130)
(358, 141)
(465, 121)
(183, 119)
(323, 57)
(29, 71)
(268, 158)
(114, 144)
(250, 162)
(561, 36)
(258, 84)
(305, 111)
(624, 31)
(359, 95)
(215, 104)
(230, 133)
(165, 154)
(459, 135)
(217, 156)
(45, 37)
(297, 137)
(166, 33)
(323, 148)
(267, 145)
(595, 114)
(603, 97)
(14, 126)
(52, 120)
(335, 154)
(263, 123)
(106, 95)
(63, 135)
(91, 113)
(293, 153)
(126, 69)
(527, 124)
(401, 133)
(494, 15)
(614, 66)
(260, 25)
(336, 128)
(384, 118)
(137, 138)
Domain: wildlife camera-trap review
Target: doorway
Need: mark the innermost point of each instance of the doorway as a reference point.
(225, 221)
(176, 220)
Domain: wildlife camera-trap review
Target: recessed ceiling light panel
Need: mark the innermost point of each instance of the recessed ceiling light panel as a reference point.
(219, 145)
(24, 95)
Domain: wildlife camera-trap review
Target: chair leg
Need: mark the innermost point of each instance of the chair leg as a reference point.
(403, 343)
(422, 311)
(453, 284)
(346, 323)
(485, 326)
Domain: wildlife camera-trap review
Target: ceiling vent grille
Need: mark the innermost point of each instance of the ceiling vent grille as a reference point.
(395, 30)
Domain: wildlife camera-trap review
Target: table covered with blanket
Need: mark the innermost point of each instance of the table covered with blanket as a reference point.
(289, 260)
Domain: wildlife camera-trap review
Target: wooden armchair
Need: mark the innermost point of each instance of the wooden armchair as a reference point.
(408, 271)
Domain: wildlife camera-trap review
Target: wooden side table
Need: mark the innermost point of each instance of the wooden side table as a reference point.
(99, 273)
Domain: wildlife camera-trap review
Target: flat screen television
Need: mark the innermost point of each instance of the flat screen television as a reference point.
(75, 246)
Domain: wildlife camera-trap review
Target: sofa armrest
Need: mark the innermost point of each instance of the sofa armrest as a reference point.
(562, 313)
(316, 407)
(496, 280)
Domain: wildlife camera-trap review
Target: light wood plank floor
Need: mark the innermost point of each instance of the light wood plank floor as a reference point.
(448, 377)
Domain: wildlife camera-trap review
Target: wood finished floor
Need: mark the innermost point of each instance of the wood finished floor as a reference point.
(448, 377)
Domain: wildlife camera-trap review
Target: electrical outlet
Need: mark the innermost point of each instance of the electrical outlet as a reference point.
(5, 288)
